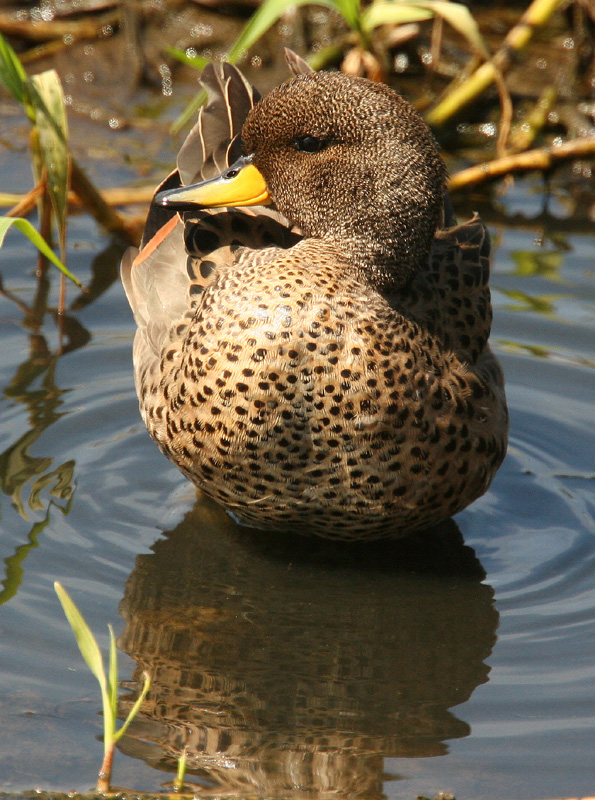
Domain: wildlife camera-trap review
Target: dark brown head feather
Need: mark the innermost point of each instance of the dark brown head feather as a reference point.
(377, 182)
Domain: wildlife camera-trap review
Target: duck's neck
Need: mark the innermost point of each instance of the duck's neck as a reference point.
(384, 265)
(388, 253)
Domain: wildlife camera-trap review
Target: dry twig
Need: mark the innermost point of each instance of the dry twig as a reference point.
(542, 159)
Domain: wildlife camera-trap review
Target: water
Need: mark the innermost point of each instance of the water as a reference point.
(300, 669)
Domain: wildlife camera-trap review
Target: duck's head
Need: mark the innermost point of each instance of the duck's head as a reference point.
(346, 160)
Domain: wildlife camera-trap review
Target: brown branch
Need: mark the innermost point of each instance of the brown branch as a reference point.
(93, 202)
(40, 31)
(27, 202)
(542, 159)
(506, 113)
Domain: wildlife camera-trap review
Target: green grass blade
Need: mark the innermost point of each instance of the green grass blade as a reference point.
(350, 10)
(112, 690)
(259, 23)
(14, 78)
(196, 62)
(25, 227)
(134, 710)
(84, 638)
(197, 101)
(112, 675)
(181, 774)
(50, 116)
(92, 654)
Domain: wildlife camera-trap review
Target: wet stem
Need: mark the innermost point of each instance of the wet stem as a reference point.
(104, 777)
(45, 229)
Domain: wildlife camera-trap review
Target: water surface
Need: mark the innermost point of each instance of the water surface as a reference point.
(462, 662)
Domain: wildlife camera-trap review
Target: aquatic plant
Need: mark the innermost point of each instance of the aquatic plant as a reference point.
(55, 170)
(43, 101)
(463, 92)
(181, 773)
(108, 684)
(363, 21)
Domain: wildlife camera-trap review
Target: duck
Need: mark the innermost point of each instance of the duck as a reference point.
(312, 322)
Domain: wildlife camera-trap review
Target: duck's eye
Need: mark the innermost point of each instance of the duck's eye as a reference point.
(308, 144)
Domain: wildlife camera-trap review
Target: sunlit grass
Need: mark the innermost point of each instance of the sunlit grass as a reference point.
(54, 168)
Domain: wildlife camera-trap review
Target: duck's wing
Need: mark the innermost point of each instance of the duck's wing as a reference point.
(155, 285)
(180, 253)
(453, 295)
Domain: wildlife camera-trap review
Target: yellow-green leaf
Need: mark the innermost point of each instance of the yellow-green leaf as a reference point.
(50, 116)
(392, 13)
(84, 638)
(14, 78)
(460, 18)
(398, 12)
(25, 227)
(196, 62)
(92, 654)
(134, 710)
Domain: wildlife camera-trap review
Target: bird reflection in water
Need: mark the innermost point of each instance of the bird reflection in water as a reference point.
(293, 668)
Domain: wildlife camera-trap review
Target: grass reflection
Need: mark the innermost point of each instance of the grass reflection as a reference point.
(539, 351)
(35, 483)
(14, 564)
(20, 469)
(531, 262)
(544, 304)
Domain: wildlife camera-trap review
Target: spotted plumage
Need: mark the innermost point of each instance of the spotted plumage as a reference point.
(319, 365)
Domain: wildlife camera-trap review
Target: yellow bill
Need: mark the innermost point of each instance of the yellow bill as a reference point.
(241, 184)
